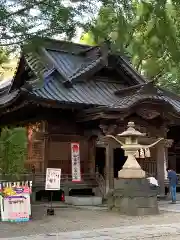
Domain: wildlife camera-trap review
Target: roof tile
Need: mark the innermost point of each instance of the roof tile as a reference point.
(72, 61)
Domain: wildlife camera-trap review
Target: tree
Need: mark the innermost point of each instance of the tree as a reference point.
(88, 38)
(13, 150)
(147, 31)
(20, 20)
(4, 58)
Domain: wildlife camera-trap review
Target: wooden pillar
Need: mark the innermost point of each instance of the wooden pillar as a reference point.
(46, 146)
(162, 162)
(92, 152)
(109, 168)
(168, 144)
(165, 163)
(161, 159)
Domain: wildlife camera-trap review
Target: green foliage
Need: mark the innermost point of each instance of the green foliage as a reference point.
(13, 150)
(4, 55)
(88, 38)
(148, 31)
(21, 20)
(4, 58)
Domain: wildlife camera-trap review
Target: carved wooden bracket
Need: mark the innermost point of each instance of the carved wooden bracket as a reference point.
(91, 133)
(108, 129)
(168, 143)
(101, 141)
(147, 113)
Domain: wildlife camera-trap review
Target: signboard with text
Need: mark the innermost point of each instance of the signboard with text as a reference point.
(53, 179)
(15, 201)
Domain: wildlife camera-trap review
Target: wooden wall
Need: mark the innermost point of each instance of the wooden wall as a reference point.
(36, 148)
(52, 147)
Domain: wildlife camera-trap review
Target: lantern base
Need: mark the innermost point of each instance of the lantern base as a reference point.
(133, 197)
(131, 173)
(131, 168)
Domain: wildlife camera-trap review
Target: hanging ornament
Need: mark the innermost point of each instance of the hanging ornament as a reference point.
(142, 155)
(137, 154)
(147, 153)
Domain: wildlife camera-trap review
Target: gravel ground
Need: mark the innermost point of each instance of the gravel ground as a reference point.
(71, 219)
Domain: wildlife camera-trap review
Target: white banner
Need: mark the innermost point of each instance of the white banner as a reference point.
(53, 179)
(75, 159)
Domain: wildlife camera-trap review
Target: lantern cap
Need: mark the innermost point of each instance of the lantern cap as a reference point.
(131, 131)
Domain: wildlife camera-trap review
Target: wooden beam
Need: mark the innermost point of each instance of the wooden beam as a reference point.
(101, 115)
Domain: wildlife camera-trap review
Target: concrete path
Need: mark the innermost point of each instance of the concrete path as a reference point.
(96, 224)
(169, 207)
(164, 205)
(145, 232)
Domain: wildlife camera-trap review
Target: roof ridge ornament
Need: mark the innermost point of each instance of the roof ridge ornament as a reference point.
(149, 88)
(127, 89)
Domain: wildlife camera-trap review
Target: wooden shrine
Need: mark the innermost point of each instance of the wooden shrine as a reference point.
(78, 93)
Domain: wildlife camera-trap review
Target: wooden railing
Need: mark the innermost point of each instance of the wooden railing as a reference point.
(101, 184)
(14, 177)
(39, 179)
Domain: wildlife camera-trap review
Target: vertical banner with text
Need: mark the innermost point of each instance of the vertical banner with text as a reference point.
(75, 159)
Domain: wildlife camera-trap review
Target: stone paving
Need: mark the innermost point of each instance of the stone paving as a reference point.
(81, 224)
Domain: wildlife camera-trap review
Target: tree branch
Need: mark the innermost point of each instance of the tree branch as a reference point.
(158, 75)
(20, 11)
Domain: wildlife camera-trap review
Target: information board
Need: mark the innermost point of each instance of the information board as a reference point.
(53, 179)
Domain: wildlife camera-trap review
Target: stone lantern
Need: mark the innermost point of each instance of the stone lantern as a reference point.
(132, 194)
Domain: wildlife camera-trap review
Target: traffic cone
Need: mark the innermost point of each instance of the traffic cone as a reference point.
(62, 197)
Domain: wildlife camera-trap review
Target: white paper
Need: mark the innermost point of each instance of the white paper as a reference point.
(53, 179)
(153, 181)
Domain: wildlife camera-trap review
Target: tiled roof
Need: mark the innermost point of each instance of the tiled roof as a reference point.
(99, 93)
(5, 83)
(8, 98)
(62, 62)
(90, 92)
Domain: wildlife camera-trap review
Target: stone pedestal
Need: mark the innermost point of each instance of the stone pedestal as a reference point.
(133, 197)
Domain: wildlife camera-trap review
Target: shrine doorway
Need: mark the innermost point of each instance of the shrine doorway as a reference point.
(100, 160)
(118, 159)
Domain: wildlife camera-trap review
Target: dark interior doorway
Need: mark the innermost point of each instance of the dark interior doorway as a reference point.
(100, 160)
(119, 160)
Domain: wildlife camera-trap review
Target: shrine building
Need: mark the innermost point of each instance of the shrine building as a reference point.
(76, 94)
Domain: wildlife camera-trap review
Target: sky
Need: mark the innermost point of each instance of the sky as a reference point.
(86, 18)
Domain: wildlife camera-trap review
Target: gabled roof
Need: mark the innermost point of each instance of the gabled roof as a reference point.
(69, 75)
(72, 61)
